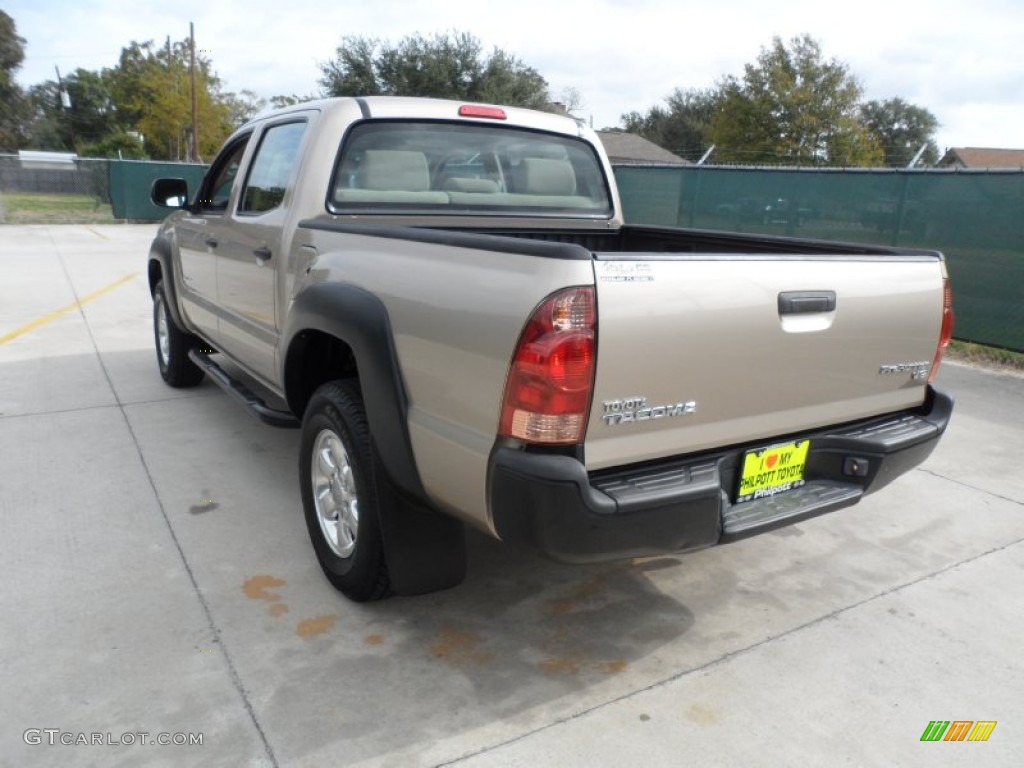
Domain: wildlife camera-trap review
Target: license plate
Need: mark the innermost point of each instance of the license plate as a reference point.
(772, 470)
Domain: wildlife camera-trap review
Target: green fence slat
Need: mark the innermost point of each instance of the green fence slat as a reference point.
(131, 180)
(976, 218)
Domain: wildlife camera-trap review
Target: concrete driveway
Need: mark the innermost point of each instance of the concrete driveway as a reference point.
(158, 585)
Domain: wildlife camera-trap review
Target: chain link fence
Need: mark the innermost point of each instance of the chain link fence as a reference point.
(77, 176)
(975, 217)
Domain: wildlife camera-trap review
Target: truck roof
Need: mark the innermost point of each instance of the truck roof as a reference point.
(411, 107)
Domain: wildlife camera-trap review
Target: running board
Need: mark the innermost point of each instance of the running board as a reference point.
(242, 393)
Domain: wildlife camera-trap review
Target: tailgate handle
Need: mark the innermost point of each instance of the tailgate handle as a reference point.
(803, 302)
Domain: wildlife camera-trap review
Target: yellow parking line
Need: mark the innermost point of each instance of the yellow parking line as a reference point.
(64, 310)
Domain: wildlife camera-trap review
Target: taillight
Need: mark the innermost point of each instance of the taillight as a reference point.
(947, 327)
(551, 378)
(478, 110)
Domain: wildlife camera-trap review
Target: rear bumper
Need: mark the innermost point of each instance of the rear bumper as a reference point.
(551, 503)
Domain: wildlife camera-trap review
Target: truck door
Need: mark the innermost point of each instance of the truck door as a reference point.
(199, 234)
(251, 251)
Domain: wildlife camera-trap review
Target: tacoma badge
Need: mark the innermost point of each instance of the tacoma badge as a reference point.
(918, 370)
(631, 409)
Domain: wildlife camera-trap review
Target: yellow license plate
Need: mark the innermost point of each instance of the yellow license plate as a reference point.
(772, 470)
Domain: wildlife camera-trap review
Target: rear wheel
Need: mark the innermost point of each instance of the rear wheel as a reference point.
(172, 345)
(338, 493)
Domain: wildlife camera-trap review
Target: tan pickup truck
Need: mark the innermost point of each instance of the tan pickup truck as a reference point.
(447, 301)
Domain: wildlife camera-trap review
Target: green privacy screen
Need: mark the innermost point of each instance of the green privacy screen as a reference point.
(131, 180)
(976, 218)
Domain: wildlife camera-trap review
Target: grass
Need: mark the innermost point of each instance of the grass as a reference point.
(987, 357)
(46, 208)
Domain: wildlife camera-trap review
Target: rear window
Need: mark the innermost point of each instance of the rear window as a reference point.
(458, 168)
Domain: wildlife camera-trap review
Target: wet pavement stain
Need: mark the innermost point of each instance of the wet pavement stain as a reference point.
(316, 626)
(700, 715)
(206, 505)
(560, 666)
(580, 597)
(256, 587)
(458, 647)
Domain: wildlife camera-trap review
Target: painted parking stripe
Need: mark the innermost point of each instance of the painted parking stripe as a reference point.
(65, 310)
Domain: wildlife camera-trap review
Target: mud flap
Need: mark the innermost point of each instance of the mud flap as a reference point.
(425, 550)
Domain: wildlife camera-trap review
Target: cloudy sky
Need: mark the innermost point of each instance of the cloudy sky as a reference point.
(963, 60)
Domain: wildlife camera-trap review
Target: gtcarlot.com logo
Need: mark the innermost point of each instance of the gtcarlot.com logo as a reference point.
(958, 730)
(55, 736)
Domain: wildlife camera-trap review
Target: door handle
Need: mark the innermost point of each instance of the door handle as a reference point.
(211, 242)
(263, 253)
(805, 302)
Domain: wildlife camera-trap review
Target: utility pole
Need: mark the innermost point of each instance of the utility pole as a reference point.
(65, 102)
(195, 102)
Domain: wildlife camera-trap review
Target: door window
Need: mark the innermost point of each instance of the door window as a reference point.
(271, 169)
(213, 197)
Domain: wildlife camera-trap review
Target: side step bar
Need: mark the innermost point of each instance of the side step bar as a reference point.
(243, 394)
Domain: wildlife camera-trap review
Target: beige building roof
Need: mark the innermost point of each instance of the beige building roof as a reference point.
(982, 157)
(628, 148)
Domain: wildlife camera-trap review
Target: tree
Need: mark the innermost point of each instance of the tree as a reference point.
(89, 119)
(244, 105)
(682, 126)
(451, 66)
(901, 129)
(151, 87)
(793, 107)
(15, 106)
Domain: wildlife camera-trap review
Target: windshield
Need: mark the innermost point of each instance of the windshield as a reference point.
(449, 168)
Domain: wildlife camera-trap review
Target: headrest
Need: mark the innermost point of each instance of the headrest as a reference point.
(545, 176)
(393, 169)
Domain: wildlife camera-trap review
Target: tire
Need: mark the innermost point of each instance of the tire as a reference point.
(339, 497)
(172, 345)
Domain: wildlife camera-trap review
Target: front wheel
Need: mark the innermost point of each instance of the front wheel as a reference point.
(338, 493)
(172, 345)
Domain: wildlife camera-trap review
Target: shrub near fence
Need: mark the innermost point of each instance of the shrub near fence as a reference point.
(975, 217)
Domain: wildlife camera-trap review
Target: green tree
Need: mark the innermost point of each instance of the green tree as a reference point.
(792, 106)
(682, 126)
(243, 105)
(901, 129)
(16, 109)
(288, 100)
(89, 119)
(151, 88)
(451, 66)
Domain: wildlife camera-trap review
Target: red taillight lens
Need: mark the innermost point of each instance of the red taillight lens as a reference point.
(551, 378)
(946, 334)
(476, 110)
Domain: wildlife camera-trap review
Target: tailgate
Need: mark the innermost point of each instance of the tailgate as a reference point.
(697, 352)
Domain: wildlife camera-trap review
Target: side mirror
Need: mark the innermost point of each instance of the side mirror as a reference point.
(169, 193)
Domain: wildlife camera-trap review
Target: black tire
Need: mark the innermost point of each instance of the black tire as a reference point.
(336, 476)
(172, 345)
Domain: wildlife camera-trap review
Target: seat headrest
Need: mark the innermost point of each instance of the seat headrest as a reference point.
(395, 170)
(546, 176)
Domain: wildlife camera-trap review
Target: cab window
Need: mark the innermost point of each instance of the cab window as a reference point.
(271, 169)
(216, 189)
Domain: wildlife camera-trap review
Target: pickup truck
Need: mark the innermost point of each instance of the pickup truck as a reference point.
(446, 299)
